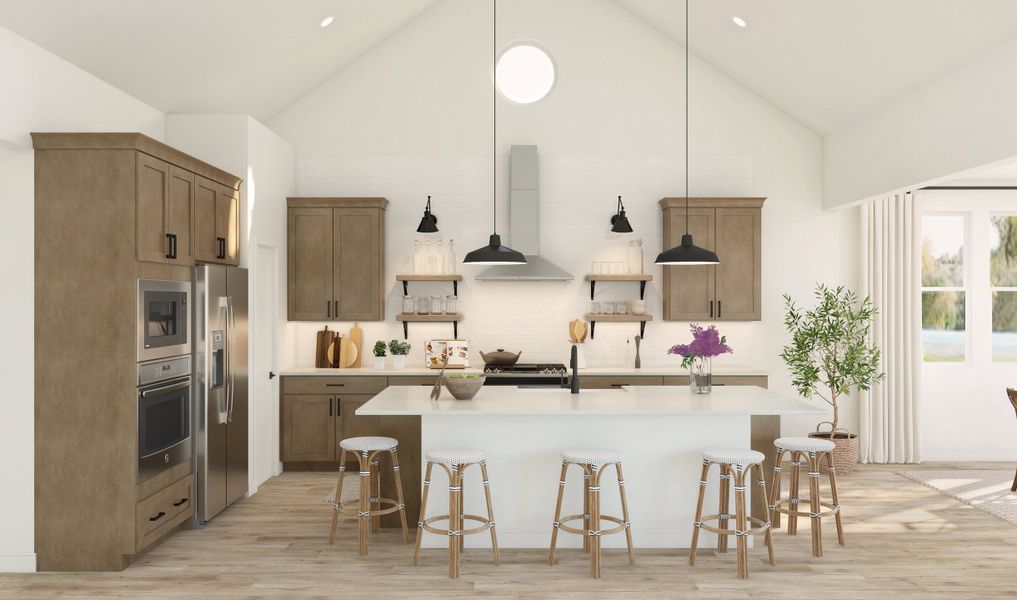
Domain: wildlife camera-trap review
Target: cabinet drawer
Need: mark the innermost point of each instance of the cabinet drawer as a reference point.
(413, 380)
(603, 382)
(333, 385)
(162, 511)
(756, 380)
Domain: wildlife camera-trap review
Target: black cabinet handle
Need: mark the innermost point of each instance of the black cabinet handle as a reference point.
(174, 245)
(711, 309)
(169, 245)
(221, 247)
(338, 404)
(180, 502)
(328, 308)
(619, 385)
(335, 385)
(336, 310)
(720, 311)
(330, 406)
(157, 517)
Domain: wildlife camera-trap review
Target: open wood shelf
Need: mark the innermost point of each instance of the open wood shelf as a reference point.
(642, 278)
(455, 279)
(641, 319)
(406, 319)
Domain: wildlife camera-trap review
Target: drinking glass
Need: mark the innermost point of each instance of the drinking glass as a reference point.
(424, 305)
(609, 308)
(437, 305)
(595, 308)
(451, 304)
(409, 305)
(621, 308)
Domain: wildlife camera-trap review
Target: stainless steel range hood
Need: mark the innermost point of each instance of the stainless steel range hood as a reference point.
(524, 225)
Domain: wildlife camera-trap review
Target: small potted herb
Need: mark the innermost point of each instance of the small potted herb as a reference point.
(399, 351)
(379, 354)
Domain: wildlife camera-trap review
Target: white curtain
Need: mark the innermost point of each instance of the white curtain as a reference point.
(891, 276)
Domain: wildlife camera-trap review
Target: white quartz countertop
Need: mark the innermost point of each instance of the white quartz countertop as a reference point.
(635, 400)
(730, 371)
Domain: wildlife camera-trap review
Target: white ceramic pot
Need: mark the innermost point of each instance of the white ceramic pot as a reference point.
(379, 362)
(637, 307)
(398, 361)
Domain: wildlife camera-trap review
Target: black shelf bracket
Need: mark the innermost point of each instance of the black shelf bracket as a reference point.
(642, 330)
(455, 330)
(593, 328)
(593, 286)
(406, 330)
(455, 289)
(642, 292)
(406, 288)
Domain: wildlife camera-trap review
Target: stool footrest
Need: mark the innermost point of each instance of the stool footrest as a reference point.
(761, 526)
(621, 525)
(779, 507)
(486, 525)
(353, 510)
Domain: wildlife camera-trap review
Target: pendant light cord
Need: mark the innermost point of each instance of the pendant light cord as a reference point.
(494, 114)
(686, 117)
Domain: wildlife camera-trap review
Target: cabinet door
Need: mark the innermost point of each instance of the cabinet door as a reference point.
(689, 290)
(738, 234)
(309, 257)
(227, 223)
(179, 207)
(358, 264)
(308, 428)
(152, 189)
(357, 426)
(206, 197)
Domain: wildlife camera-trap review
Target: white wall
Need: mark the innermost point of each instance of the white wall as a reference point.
(957, 122)
(413, 117)
(41, 93)
(965, 412)
(243, 146)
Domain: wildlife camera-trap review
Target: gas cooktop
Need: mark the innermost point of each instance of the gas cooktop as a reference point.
(528, 369)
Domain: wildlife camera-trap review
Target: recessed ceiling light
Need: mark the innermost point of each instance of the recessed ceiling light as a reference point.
(329, 19)
(737, 21)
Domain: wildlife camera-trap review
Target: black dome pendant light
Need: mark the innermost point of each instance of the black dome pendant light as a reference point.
(494, 253)
(619, 222)
(687, 253)
(429, 222)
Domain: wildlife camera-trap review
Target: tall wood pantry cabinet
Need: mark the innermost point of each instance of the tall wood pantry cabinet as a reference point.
(336, 259)
(731, 290)
(110, 208)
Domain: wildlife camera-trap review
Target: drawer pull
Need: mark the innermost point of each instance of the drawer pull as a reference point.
(335, 385)
(619, 384)
(157, 517)
(180, 502)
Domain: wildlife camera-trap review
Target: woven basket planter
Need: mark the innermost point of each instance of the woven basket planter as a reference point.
(845, 451)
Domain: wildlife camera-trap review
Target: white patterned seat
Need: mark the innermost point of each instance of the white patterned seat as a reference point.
(590, 456)
(459, 456)
(803, 444)
(368, 443)
(733, 456)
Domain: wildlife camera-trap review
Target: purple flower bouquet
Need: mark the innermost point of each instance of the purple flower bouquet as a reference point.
(696, 356)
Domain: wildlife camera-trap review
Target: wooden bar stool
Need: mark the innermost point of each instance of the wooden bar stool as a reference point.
(734, 464)
(814, 449)
(592, 462)
(368, 510)
(455, 463)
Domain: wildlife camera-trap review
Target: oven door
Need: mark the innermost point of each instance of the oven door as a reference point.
(164, 426)
(164, 318)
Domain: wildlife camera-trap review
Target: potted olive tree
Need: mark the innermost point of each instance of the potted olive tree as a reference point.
(379, 354)
(829, 356)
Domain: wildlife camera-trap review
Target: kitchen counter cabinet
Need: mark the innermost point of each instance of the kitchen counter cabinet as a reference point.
(309, 426)
(601, 382)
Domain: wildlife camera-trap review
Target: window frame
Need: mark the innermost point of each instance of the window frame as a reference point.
(992, 288)
(966, 275)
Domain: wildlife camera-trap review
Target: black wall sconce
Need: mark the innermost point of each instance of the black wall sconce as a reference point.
(429, 222)
(619, 222)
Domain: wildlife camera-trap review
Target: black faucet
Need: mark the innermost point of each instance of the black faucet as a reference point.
(574, 364)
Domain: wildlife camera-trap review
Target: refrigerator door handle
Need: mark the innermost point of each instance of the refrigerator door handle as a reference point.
(231, 373)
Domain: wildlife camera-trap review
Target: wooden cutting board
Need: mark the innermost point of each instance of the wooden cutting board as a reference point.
(325, 339)
(343, 353)
(357, 339)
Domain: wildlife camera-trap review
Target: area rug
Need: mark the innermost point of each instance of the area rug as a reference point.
(986, 490)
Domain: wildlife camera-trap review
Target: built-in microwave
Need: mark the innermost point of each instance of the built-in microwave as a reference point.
(164, 319)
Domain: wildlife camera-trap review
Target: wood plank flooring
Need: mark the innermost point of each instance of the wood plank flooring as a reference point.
(904, 541)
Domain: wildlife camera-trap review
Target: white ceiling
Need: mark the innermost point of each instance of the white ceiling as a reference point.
(824, 62)
(829, 62)
(210, 56)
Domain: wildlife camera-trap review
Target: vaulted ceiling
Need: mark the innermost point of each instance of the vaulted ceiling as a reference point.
(824, 62)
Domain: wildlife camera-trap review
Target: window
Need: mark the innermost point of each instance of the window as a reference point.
(944, 295)
(1003, 283)
(525, 73)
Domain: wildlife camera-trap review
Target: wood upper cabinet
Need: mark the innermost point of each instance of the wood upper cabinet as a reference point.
(179, 211)
(731, 290)
(216, 222)
(308, 428)
(153, 238)
(336, 259)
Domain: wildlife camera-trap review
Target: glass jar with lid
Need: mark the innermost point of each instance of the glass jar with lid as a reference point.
(409, 305)
(424, 305)
(451, 305)
(437, 305)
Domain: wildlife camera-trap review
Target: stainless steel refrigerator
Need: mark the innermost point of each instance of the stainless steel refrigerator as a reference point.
(220, 381)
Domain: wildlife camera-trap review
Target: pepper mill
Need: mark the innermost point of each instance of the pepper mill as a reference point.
(638, 362)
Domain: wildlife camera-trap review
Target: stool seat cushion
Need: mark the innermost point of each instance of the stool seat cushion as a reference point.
(368, 443)
(461, 456)
(733, 456)
(590, 456)
(804, 444)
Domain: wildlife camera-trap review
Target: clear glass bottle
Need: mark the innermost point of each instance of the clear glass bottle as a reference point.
(451, 305)
(439, 258)
(418, 258)
(409, 305)
(450, 259)
(424, 305)
(428, 258)
(635, 257)
(437, 305)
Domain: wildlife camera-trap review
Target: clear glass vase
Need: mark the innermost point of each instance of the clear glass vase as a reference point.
(701, 375)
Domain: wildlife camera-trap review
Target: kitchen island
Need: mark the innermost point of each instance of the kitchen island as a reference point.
(659, 430)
